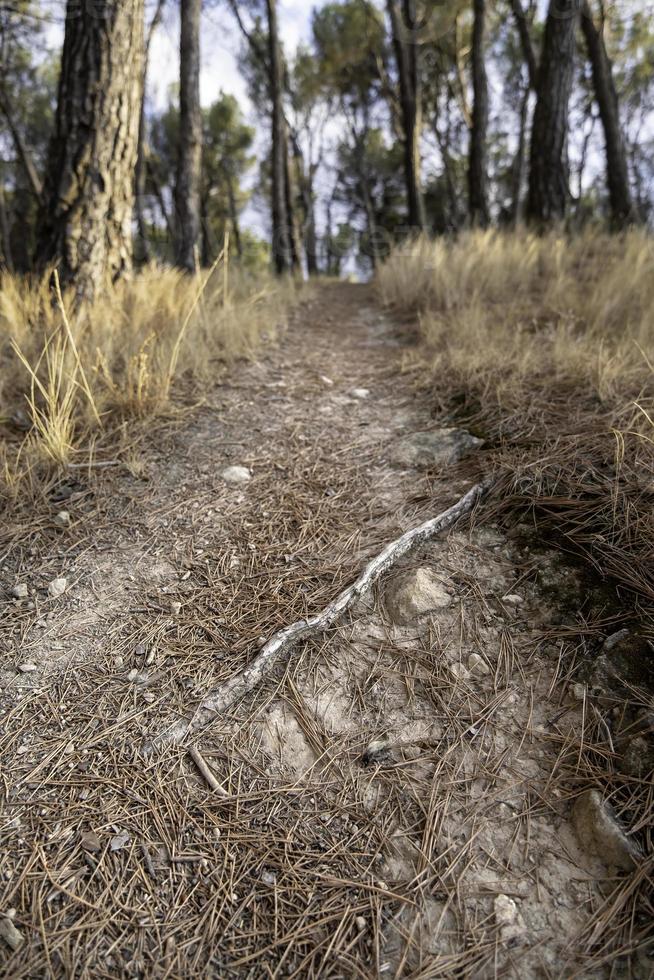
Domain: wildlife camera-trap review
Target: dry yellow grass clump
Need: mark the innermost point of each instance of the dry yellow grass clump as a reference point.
(545, 345)
(69, 375)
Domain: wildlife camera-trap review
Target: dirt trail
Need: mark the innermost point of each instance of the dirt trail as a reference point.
(445, 849)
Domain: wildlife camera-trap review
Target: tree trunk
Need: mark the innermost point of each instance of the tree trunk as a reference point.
(477, 168)
(407, 50)
(617, 171)
(291, 211)
(141, 156)
(233, 217)
(518, 169)
(5, 234)
(187, 185)
(86, 218)
(525, 40)
(548, 178)
(281, 232)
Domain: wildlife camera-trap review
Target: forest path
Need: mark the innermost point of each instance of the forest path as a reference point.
(395, 797)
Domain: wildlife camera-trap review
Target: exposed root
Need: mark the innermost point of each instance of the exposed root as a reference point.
(221, 698)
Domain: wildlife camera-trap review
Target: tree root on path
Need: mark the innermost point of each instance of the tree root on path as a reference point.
(223, 697)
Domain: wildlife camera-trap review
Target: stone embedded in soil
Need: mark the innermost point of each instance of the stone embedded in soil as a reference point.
(90, 842)
(442, 447)
(20, 591)
(598, 830)
(478, 666)
(637, 759)
(63, 518)
(360, 393)
(27, 668)
(509, 921)
(236, 474)
(10, 933)
(57, 587)
(413, 594)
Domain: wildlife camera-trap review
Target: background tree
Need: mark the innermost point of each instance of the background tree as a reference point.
(187, 186)
(88, 197)
(478, 167)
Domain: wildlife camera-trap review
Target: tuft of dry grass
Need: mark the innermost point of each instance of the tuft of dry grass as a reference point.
(545, 346)
(69, 375)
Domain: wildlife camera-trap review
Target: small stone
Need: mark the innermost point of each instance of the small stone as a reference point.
(119, 662)
(326, 381)
(360, 393)
(119, 841)
(612, 641)
(11, 935)
(90, 842)
(459, 672)
(268, 878)
(149, 697)
(513, 600)
(509, 921)
(57, 587)
(360, 923)
(133, 674)
(413, 594)
(175, 608)
(236, 474)
(27, 668)
(579, 692)
(63, 518)
(637, 759)
(20, 591)
(477, 665)
(442, 447)
(140, 650)
(599, 831)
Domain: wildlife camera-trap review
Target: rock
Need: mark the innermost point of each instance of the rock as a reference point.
(133, 674)
(477, 665)
(90, 842)
(442, 447)
(509, 921)
(326, 381)
(377, 753)
(579, 692)
(236, 474)
(360, 923)
(360, 393)
(10, 933)
(513, 600)
(175, 608)
(612, 641)
(57, 587)
(119, 841)
(637, 759)
(63, 518)
(413, 594)
(459, 672)
(598, 830)
(27, 668)
(20, 591)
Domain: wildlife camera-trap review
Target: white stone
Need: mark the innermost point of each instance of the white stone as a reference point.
(579, 692)
(360, 393)
(600, 833)
(513, 600)
(20, 591)
(236, 474)
(477, 665)
(459, 672)
(415, 593)
(27, 668)
(63, 518)
(509, 921)
(57, 587)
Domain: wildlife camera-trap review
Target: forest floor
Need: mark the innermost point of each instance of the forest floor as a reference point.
(398, 798)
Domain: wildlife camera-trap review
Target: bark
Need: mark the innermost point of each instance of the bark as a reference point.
(294, 237)
(141, 156)
(187, 185)
(525, 40)
(518, 169)
(477, 168)
(233, 217)
(407, 53)
(548, 178)
(305, 180)
(281, 237)
(617, 171)
(85, 223)
(5, 234)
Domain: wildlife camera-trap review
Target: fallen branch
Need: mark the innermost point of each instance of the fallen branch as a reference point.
(222, 698)
(204, 769)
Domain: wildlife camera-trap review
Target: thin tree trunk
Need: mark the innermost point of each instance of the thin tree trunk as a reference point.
(477, 168)
(518, 169)
(141, 162)
(88, 199)
(5, 234)
(281, 232)
(405, 43)
(23, 153)
(291, 210)
(525, 40)
(233, 217)
(548, 178)
(617, 171)
(187, 186)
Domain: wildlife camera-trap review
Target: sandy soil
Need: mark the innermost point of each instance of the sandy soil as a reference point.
(388, 805)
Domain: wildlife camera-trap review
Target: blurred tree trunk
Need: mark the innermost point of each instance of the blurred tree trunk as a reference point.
(522, 23)
(88, 200)
(477, 166)
(617, 171)
(407, 52)
(187, 185)
(19, 144)
(548, 177)
(233, 217)
(5, 234)
(281, 229)
(141, 156)
(518, 168)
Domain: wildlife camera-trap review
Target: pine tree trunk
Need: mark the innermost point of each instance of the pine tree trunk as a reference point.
(407, 51)
(477, 167)
(548, 177)
(518, 168)
(187, 185)
(5, 235)
(86, 218)
(617, 171)
(141, 156)
(281, 232)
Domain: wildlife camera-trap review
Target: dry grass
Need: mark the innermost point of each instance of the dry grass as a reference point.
(546, 346)
(69, 378)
